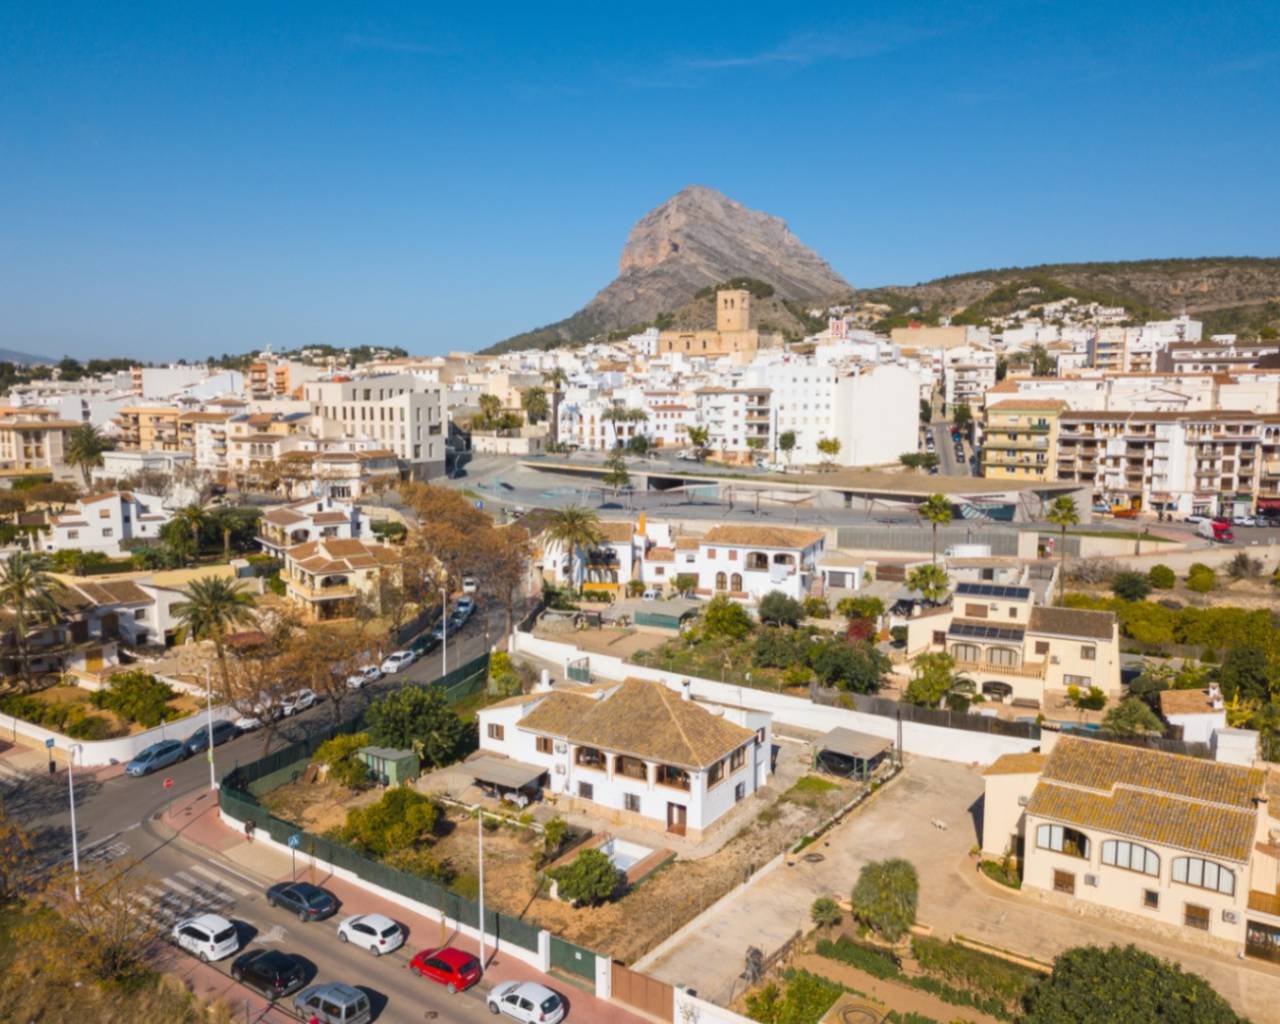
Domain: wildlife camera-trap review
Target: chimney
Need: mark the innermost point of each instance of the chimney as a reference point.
(686, 690)
(544, 683)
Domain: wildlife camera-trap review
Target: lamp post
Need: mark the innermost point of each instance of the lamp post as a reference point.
(444, 631)
(208, 696)
(480, 842)
(71, 793)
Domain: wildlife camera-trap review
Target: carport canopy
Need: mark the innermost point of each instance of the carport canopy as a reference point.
(503, 772)
(858, 746)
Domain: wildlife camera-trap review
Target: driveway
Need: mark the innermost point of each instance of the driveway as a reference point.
(709, 953)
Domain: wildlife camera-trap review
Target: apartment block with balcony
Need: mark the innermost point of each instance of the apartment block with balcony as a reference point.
(331, 578)
(34, 440)
(1184, 848)
(739, 421)
(398, 412)
(1020, 439)
(635, 753)
(1018, 652)
(148, 428)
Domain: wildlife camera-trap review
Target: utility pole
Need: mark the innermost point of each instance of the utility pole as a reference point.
(480, 842)
(208, 692)
(71, 792)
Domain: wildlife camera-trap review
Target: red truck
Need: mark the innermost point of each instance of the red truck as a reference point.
(1218, 530)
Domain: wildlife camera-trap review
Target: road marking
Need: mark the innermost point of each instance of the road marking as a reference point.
(255, 882)
(239, 890)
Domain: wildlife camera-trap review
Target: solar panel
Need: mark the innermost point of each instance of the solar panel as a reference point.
(973, 631)
(993, 590)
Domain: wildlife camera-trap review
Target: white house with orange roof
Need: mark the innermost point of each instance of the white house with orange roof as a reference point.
(312, 519)
(747, 562)
(331, 577)
(106, 522)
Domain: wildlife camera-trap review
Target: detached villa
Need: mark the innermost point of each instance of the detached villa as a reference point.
(635, 752)
(329, 578)
(106, 523)
(1182, 846)
(313, 519)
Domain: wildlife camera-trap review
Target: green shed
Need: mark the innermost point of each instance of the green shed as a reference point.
(390, 767)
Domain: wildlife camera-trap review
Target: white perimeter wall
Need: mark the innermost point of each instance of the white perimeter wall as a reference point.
(927, 740)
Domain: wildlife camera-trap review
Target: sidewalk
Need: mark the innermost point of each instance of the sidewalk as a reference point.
(195, 819)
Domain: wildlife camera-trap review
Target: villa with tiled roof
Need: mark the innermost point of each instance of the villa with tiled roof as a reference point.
(1182, 845)
(635, 752)
(312, 519)
(329, 578)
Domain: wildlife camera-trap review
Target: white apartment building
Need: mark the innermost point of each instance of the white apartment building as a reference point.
(312, 519)
(400, 412)
(104, 522)
(637, 753)
(739, 420)
(967, 372)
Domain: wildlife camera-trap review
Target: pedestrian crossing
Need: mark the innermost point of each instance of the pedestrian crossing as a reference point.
(192, 891)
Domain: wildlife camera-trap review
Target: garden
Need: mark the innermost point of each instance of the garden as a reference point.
(131, 702)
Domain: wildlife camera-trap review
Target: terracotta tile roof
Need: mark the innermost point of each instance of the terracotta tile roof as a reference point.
(1031, 404)
(1184, 802)
(617, 533)
(114, 592)
(1072, 622)
(661, 555)
(329, 518)
(643, 719)
(764, 536)
(339, 555)
(687, 543)
(1186, 702)
(283, 517)
(1017, 764)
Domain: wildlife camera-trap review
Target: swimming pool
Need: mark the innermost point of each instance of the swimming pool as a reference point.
(623, 854)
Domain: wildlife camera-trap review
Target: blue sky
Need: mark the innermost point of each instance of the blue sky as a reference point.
(182, 179)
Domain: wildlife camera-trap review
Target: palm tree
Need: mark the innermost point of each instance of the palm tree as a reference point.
(698, 437)
(212, 607)
(1063, 513)
(84, 448)
(534, 402)
(936, 510)
(576, 529)
(557, 379)
(930, 582)
(193, 517)
(30, 594)
(490, 406)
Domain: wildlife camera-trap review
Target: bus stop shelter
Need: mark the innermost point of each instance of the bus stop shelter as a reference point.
(850, 754)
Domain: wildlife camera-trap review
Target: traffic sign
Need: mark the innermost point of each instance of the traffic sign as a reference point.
(479, 505)
(295, 841)
(48, 744)
(168, 783)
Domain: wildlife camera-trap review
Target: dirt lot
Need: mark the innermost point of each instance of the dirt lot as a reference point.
(317, 806)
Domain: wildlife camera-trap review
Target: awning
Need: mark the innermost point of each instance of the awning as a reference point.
(501, 771)
(857, 745)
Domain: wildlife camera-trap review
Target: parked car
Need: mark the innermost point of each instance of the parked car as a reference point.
(334, 1003)
(157, 756)
(396, 661)
(1244, 521)
(375, 932)
(687, 456)
(465, 606)
(198, 741)
(270, 971)
(528, 1002)
(297, 701)
(652, 595)
(309, 902)
(425, 644)
(1194, 517)
(452, 968)
(247, 723)
(209, 936)
(470, 584)
(363, 676)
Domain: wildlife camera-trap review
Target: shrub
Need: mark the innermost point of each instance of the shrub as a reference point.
(1242, 567)
(1161, 577)
(137, 696)
(886, 896)
(425, 864)
(816, 608)
(1092, 699)
(1130, 586)
(860, 608)
(590, 878)
(276, 585)
(797, 675)
(878, 963)
(725, 617)
(1002, 873)
(807, 998)
(90, 727)
(554, 833)
(778, 608)
(339, 753)
(825, 912)
(990, 975)
(1201, 578)
(399, 821)
(1091, 570)
(898, 634)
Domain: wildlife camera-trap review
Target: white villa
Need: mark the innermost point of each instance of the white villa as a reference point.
(104, 522)
(635, 752)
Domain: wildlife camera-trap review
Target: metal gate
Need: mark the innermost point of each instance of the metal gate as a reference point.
(574, 959)
(656, 998)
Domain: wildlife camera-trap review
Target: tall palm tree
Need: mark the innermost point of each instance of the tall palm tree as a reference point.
(84, 448)
(935, 510)
(556, 379)
(534, 402)
(576, 529)
(30, 594)
(1063, 513)
(212, 607)
(490, 407)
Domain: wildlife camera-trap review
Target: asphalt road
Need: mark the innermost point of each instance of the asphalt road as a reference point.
(115, 821)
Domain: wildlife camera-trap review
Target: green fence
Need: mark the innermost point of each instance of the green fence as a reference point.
(245, 783)
(574, 959)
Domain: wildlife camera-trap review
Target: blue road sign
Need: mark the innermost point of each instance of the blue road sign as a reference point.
(295, 841)
(48, 744)
(479, 505)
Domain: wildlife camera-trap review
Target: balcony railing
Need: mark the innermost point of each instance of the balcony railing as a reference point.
(1027, 670)
(316, 593)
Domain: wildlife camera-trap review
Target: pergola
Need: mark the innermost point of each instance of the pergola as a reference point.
(850, 754)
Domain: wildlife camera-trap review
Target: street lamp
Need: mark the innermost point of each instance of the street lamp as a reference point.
(71, 792)
(208, 693)
(444, 630)
(480, 842)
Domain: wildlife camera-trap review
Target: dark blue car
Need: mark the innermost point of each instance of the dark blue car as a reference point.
(157, 756)
(198, 741)
(309, 902)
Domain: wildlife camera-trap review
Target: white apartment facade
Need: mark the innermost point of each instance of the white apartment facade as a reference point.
(399, 412)
(106, 522)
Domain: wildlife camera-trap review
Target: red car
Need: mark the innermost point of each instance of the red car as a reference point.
(452, 968)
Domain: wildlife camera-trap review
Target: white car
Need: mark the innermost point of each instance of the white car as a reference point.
(376, 933)
(367, 674)
(298, 701)
(396, 661)
(209, 936)
(528, 1002)
(248, 723)
(470, 584)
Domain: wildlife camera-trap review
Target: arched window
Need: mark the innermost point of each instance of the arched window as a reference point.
(1006, 656)
(1131, 856)
(1062, 840)
(757, 561)
(735, 583)
(1204, 874)
(722, 581)
(966, 652)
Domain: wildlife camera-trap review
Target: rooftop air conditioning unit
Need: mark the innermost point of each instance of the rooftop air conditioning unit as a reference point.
(1231, 917)
(1023, 801)
(1091, 880)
